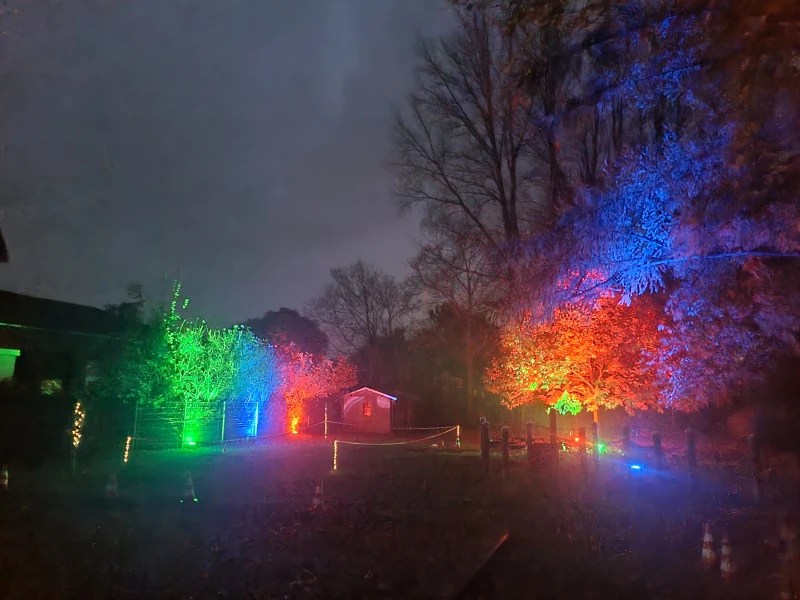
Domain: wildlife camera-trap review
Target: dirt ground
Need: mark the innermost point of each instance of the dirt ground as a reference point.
(399, 522)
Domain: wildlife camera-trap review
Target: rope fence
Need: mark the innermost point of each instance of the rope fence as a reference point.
(129, 444)
(336, 443)
(254, 440)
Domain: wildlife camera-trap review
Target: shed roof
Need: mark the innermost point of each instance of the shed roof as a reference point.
(368, 389)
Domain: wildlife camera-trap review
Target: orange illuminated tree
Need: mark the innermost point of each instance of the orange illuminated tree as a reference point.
(306, 377)
(582, 359)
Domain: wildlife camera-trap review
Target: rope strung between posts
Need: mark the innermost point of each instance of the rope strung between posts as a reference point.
(232, 440)
(422, 428)
(393, 428)
(430, 437)
(405, 443)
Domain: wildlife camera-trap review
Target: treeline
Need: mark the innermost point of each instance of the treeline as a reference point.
(610, 214)
(610, 208)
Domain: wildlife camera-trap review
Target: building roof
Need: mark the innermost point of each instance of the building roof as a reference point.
(367, 389)
(30, 312)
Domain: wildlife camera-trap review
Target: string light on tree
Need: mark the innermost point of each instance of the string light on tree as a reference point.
(127, 449)
(335, 454)
(78, 417)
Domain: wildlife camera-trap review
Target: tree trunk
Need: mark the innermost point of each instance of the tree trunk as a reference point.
(595, 420)
(469, 364)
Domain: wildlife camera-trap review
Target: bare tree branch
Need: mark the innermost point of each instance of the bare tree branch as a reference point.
(465, 149)
(360, 306)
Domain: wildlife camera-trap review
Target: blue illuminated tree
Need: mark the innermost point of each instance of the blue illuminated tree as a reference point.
(700, 201)
(257, 376)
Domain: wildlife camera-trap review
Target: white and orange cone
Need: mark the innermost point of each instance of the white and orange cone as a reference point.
(112, 491)
(708, 555)
(188, 488)
(318, 501)
(726, 567)
(4, 479)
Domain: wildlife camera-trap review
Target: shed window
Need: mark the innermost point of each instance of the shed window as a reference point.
(367, 408)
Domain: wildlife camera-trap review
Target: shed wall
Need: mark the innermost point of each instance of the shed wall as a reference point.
(380, 413)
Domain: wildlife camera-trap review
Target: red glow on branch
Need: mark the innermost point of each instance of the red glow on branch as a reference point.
(583, 359)
(305, 378)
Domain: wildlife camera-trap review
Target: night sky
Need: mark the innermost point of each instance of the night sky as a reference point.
(239, 145)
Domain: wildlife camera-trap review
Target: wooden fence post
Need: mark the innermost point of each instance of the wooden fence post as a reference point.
(481, 443)
(626, 440)
(135, 425)
(222, 428)
(658, 451)
(787, 538)
(554, 449)
(755, 461)
(505, 451)
(529, 441)
(691, 454)
(485, 444)
(596, 443)
(582, 449)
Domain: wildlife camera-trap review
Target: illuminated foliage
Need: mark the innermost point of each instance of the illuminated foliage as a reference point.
(186, 368)
(202, 370)
(190, 374)
(257, 375)
(209, 366)
(696, 196)
(305, 378)
(585, 358)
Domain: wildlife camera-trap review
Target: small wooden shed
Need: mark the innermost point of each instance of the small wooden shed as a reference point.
(368, 411)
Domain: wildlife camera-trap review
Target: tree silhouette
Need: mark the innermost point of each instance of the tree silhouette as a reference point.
(287, 326)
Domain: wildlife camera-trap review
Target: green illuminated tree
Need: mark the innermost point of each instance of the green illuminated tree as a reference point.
(203, 370)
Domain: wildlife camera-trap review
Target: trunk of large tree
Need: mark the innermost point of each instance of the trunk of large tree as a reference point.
(469, 364)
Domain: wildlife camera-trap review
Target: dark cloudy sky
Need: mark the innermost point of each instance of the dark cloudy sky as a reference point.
(239, 144)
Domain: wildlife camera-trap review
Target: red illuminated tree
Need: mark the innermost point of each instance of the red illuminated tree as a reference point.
(305, 378)
(583, 359)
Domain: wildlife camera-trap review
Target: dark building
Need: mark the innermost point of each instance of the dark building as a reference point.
(47, 342)
(47, 349)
